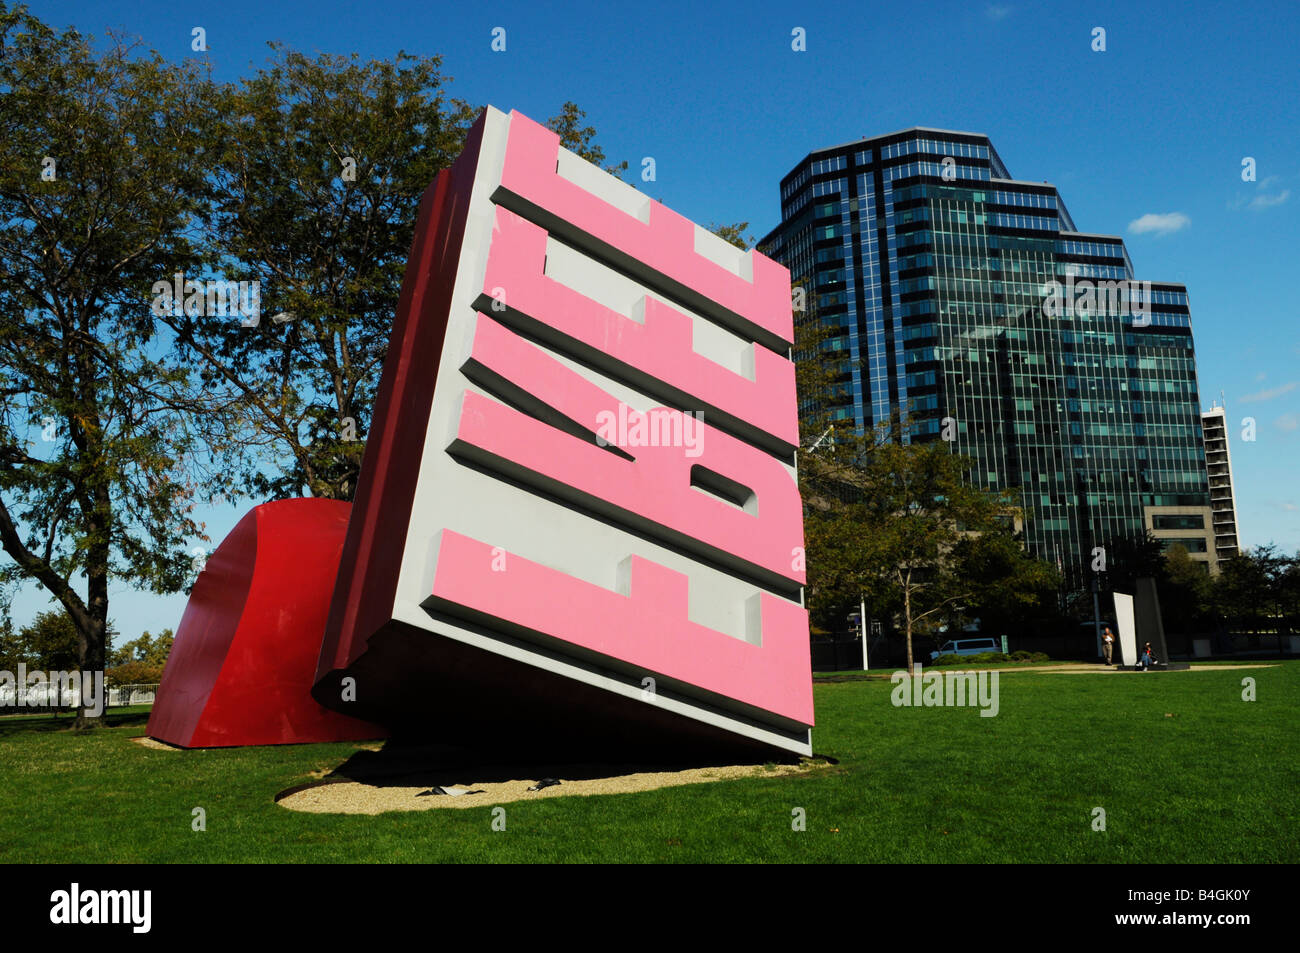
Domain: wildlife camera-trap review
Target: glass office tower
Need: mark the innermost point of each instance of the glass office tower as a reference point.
(971, 302)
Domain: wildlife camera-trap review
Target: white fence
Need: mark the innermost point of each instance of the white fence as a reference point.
(48, 696)
(125, 695)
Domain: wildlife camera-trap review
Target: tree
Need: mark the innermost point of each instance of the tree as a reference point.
(894, 524)
(1287, 587)
(733, 234)
(1258, 591)
(920, 509)
(581, 139)
(1011, 591)
(839, 577)
(1185, 593)
(50, 642)
(1131, 557)
(13, 651)
(147, 649)
(104, 438)
(322, 168)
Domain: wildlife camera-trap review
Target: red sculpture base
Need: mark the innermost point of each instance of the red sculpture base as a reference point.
(242, 667)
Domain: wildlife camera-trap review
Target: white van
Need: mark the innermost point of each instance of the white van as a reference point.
(968, 647)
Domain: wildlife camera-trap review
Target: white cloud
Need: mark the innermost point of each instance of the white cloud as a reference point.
(1270, 393)
(1160, 224)
(995, 11)
(1261, 375)
(1289, 507)
(1268, 201)
(1287, 422)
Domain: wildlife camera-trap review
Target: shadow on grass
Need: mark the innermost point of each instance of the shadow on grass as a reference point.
(13, 724)
(411, 763)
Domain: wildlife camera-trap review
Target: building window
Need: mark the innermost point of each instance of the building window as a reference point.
(1168, 521)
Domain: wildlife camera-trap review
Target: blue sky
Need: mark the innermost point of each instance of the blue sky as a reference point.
(1156, 125)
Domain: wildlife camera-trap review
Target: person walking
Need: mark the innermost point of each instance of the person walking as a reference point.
(1108, 643)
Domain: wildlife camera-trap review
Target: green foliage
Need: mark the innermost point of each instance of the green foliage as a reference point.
(104, 435)
(50, 642)
(981, 658)
(1186, 593)
(1256, 591)
(133, 673)
(897, 524)
(146, 650)
(323, 165)
(1259, 591)
(319, 177)
(733, 234)
(118, 416)
(988, 658)
(1011, 591)
(581, 139)
(1132, 557)
(12, 649)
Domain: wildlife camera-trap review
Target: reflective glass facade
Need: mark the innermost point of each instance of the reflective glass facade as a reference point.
(933, 269)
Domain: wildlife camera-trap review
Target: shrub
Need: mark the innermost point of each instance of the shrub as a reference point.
(987, 657)
(133, 673)
(984, 657)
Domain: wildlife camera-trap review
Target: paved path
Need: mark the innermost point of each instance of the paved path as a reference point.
(1108, 669)
(1067, 668)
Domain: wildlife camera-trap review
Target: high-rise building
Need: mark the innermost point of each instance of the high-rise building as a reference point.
(970, 302)
(1223, 496)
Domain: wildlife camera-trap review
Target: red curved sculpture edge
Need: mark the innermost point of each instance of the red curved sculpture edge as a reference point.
(244, 660)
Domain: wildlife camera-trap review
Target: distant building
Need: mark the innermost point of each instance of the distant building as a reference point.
(969, 301)
(1191, 527)
(1223, 496)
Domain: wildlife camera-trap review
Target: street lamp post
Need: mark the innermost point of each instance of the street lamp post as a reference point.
(862, 627)
(1096, 612)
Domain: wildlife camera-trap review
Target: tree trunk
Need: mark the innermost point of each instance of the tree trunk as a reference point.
(907, 622)
(91, 644)
(94, 631)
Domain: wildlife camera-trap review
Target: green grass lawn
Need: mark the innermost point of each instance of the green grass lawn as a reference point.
(1186, 771)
